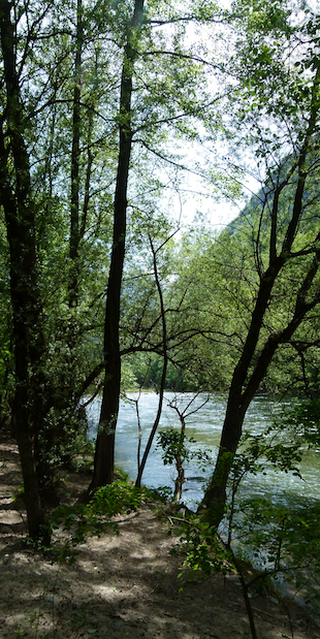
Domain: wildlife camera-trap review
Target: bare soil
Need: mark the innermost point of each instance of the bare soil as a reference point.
(123, 585)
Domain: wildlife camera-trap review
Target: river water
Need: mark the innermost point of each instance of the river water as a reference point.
(205, 427)
(276, 488)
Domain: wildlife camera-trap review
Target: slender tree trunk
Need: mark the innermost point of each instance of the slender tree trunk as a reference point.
(164, 369)
(104, 453)
(214, 500)
(180, 479)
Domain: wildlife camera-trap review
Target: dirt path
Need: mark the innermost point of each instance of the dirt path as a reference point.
(121, 586)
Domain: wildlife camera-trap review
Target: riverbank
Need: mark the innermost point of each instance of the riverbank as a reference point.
(122, 585)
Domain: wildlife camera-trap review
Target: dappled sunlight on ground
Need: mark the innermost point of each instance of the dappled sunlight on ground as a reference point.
(123, 585)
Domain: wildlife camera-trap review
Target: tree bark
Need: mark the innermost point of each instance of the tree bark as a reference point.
(75, 166)
(180, 479)
(104, 452)
(164, 368)
(15, 194)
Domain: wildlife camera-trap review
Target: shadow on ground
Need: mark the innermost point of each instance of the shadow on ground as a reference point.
(120, 586)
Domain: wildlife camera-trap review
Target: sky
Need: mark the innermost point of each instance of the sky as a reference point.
(218, 211)
(196, 199)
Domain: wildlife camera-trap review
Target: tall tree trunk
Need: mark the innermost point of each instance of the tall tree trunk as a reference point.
(75, 166)
(104, 453)
(15, 194)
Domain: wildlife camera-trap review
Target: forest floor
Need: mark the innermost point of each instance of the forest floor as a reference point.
(121, 585)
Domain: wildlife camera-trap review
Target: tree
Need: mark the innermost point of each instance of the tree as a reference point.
(104, 454)
(162, 106)
(175, 444)
(165, 361)
(34, 157)
(19, 209)
(279, 110)
(72, 138)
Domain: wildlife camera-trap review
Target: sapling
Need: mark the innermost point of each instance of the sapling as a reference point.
(176, 444)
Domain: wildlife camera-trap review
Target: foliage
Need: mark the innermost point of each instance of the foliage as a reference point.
(280, 537)
(162, 493)
(259, 96)
(283, 541)
(67, 62)
(120, 497)
(63, 438)
(200, 546)
(274, 445)
(302, 422)
(274, 449)
(219, 280)
(94, 518)
(175, 443)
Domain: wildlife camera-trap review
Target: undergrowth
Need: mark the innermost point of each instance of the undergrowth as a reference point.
(71, 525)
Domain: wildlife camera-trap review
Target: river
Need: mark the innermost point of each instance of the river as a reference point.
(205, 427)
(277, 489)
